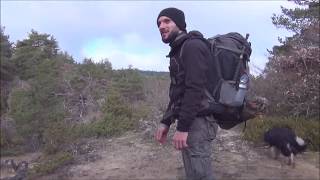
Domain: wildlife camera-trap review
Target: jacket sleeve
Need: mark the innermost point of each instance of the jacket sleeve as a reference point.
(195, 57)
(167, 118)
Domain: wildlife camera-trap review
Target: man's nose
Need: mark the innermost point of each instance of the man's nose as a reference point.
(161, 26)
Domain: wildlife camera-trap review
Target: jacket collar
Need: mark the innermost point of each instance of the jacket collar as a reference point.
(176, 44)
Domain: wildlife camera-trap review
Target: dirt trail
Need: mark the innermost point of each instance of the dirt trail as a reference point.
(136, 156)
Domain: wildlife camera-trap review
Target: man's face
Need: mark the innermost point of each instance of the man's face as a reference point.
(168, 29)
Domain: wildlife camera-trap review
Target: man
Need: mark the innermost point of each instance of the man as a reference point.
(190, 77)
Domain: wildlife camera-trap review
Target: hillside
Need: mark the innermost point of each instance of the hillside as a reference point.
(85, 120)
(135, 155)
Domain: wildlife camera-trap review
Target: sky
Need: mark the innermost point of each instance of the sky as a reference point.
(125, 32)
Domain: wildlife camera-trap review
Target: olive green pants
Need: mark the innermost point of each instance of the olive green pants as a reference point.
(197, 157)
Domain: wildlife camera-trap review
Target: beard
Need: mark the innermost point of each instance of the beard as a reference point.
(172, 36)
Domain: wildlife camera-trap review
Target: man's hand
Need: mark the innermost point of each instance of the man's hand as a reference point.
(161, 133)
(180, 140)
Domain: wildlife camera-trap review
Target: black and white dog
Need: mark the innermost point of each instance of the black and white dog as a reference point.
(286, 141)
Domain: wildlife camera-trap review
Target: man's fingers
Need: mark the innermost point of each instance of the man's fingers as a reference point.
(163, 139)
(180, 141)
(174, 143)
(161, 136)
(185, 144)
(158, 135)
(178, 144)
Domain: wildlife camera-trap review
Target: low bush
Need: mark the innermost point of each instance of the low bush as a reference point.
(50, 163)
(118, 118)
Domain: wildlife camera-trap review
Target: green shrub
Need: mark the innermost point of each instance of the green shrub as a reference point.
(24, 110)
(10, 141)
(50, 163)
(10, 146)
(116, 105)
(129, 83)
(56, 136)
(111, 125)
(33, 118)
(305, 128)
(118, 118)
(141, 111)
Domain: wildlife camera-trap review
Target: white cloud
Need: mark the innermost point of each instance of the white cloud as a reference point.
(152, 61)
(130, 49)
(127, 28)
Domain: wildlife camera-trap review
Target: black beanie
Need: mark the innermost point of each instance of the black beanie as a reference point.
(176, 15)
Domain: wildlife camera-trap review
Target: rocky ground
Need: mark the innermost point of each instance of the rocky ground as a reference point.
(135, 155)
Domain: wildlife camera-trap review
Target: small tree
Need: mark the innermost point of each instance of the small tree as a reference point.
(291, 78)
(30, 52)
(7, 70)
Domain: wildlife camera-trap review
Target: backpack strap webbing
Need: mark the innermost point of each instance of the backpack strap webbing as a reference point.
(215, 59)
(242, 61)
(239, 65)
(230, 49)
(213, 51)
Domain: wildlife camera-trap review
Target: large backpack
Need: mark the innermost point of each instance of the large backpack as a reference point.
(227, 101)
(231, 54)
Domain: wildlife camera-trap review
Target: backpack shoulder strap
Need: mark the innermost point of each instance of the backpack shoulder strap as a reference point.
(190, 38)
(216, 62)
(182, 47)
(214, 52)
